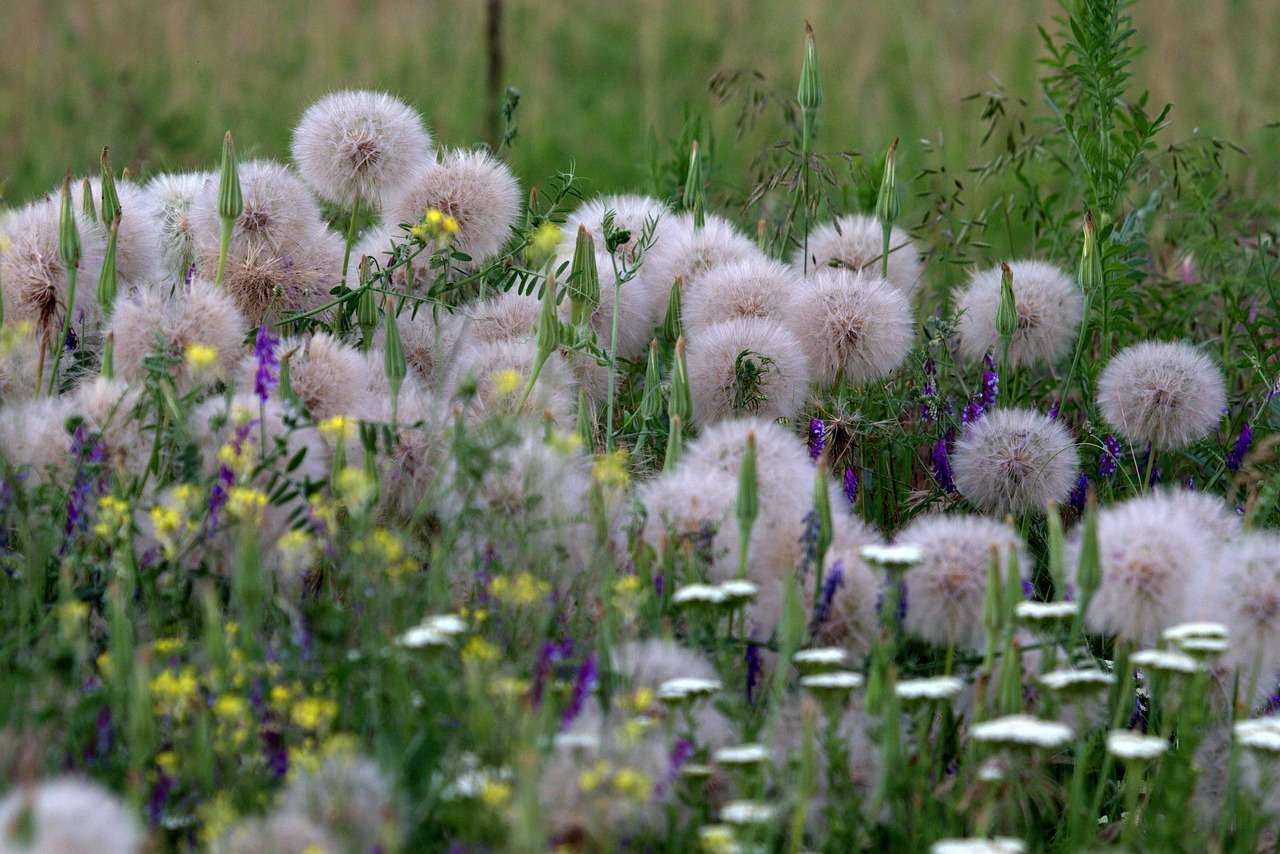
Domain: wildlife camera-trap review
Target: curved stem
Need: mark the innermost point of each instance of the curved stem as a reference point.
(61, 343)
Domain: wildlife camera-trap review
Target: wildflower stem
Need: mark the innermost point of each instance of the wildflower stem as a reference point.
(227, 225)
(351, 236)
(61, 343)
(613, 356)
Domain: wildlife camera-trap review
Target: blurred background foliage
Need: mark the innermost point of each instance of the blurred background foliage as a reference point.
(159, 81)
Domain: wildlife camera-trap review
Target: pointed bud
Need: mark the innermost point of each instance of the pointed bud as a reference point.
(68, 233)
(107, 279)
(887, 207)
(109, 357)
(367, 314)
(748, 503)
(651, 402)
(762, 237)
(674, 440)
(230, 200)
(1013, 591)
(1089, 571)
(1090, 258)
(284, 380)
(548, 338)
(680, 403)
(1007, 312)
(586, 432)
(810, 94)
(394, 364)
(992, 604)
(695, 194)
(87, 205)
(110, 198)
(673, 321)
(584, 278)
(1009, 699)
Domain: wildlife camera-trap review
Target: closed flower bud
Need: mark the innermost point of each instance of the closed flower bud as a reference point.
(230, 200)
(548, 337)
(680, 404)
(68, 234)
(887, 205)
(748, 503)
(1007, 312)
(674, 439)
(695, 195)
(1090, 257)
(584, 278)
(367, 312)
(673, 321)
(810, 94)
(110, 198)
(109, 357)
(87, 204)
(651, 403)
(394, 364)
(107, 278)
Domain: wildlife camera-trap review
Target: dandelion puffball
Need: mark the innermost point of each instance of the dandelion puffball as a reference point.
(281, 833)
(1244, 593)
(1150, 560)
(763, 354)
(138, 241)
(783, 469)
(688, 253)
(857, 243)
(173, 195)
(476, 189)
(630, 213)
(266, 285)
(945, 591)
(1049, 306)
(501, 369)
(1015, 461)
(200, 315)
(360, 145)
(854, 327)
(279, 213)
(1165, 394)
(754, 287)
(329, 377)
(68, 816)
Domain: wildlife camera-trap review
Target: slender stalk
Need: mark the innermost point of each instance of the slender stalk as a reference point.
(61, 343)
(351, 236)
(613, 358)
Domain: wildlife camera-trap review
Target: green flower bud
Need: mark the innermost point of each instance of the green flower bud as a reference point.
(651, 402)
(747, 507)
(107, 279)
(110, 198)
(1057, 553)
(810, 93)
(68, 233)
(680, 404)
(230, 200)
(673, 321)
(584, 278)
(548, 338)
(992, 607)
(674, 439)
(1089, 571)
(1090, 258)
(695, 194)
(367, 314)
(1013, 588)
(285, 381)
(1007, 312)
(394, 364)
(822, 507)
(1009, 699)
(109, 357)
(887, 207)
(87, 205)
(586, 430)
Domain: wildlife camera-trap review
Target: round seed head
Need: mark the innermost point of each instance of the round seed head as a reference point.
(746, 366)
(630, 213)
(359, 144)
(1161, 393)
(753, 287)
(1049, 306)
(67, 815)
(1015, 461)
(139, 240)
(279, 214)
(687, 252)
(173, 196)
(266, 286)
(857, 243)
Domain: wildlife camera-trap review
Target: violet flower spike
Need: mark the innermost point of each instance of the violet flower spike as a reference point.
(581, 688)
(754, 668)
(1241, 447)
(822, 608)
(1080, 492)
(942, 463)
(264, 350)
(817, 437)
(850, 486)
(1110, 457)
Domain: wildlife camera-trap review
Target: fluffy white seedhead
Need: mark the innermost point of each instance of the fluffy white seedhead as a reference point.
(19, 363)
(139, 240)
(1049, 307)
(348, 796)
(859, 749)
(636, 316)
(783, 467)
(501, 370)
(630, 213)
(946, 589)
(111, 411)
(173, 195)
(854, 327)
(159, 317)
(509, 316)
(1197, 509)
(1165, 394)
(688, 252)
(33, 278)
(1150, 561)
(34, 438)
(358, 144)
(856, 242)
(279, 215)
(409, 471)
(475, 188)
(692, 508)
(755, 287)
(764, 352)
(281, 833)
(852, 621)
(67, 815)
(266, 285)
(1015, 461)
(1243, 593)
(649, 663)
(329, 377)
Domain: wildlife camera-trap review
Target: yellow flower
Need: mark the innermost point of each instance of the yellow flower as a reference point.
(168, 524)
(611, 469)
(230, 707)
(339, 428)
(246, 503)
(237, 458)
(297, 552)
(167, 761)
(523, 589)
(314, 713)
(14, 335)
(479, 649)
(114, 518)
(507, 382)
(174, 691)
(217, 814)
(166, 647)
(200, 358)
(633, 783)
(635, 729)
(434, 225)
(354, 488)
(591, 779)
(388, 550)
(495, 793)
(188, 496)
(545, 240)
(565, 443)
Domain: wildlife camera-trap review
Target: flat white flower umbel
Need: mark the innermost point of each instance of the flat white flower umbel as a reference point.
(699, 594)
(1261, 735)
(1045, 613)
(1077, 682)
(747, 812)
(1130, 746)
(999, 845)
(676, 691)
(742, 754)
(822, 658)
(931, 688)
(1165, 661)
(833, 683)
(1022, 731)
(902, 556)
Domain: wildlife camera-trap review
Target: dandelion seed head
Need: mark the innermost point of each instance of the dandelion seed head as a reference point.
(946, 589)
(692, 505)
(752, 287)
(554, 391)
(713, 360)
(1244, 593)
(360, 144)
(1015, 461)
(173, 196)
(687, 252)
(279, 215)
(266, 285)
(1049, 307)
(1165, 394)
(477, 190)
(348, 795)
(69, 815)
(853, 326)
(138, 242)
(630, 213)
(856, 243)
(281, 833)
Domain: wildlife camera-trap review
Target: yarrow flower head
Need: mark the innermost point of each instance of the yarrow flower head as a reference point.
(1129, 746)
(1022, 731)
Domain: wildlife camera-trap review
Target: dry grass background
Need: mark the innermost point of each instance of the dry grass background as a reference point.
(160, 81)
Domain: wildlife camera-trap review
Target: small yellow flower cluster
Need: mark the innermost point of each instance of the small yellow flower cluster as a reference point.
(564, 442)
(354, 489)
(174, 692)
(246, 504)
(543, 241)
(114, 519)
(173, 519)
(628, 782)
(480, 650)
(201, 359)
(435, 225)
(339, 428)
(12, 335)
(387, 549)
(507, 382)
(610, 470)
(314, 714)
(523, 589)
(298, 553)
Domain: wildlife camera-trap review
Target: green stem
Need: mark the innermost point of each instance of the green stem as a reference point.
(227, 225)
(613, 356)
(61, 343)
(351, 236)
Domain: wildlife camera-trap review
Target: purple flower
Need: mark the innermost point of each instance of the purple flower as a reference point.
(850, 486)
(1053, 411)
(754, 666)
(1242, 445)
(1080, 492)
(191, 274)
(226, 477)
(1110, 457)
(264, 350)
(809, 543)
(582, 686)
(89, 483)
(822, 608)
(680, 754)
(659, 582)
(942, 463)
(1191, 483)
(930, 390)
(552, 652)
(990, 381)
(902, 599)
(817, 437)
(159, 799)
